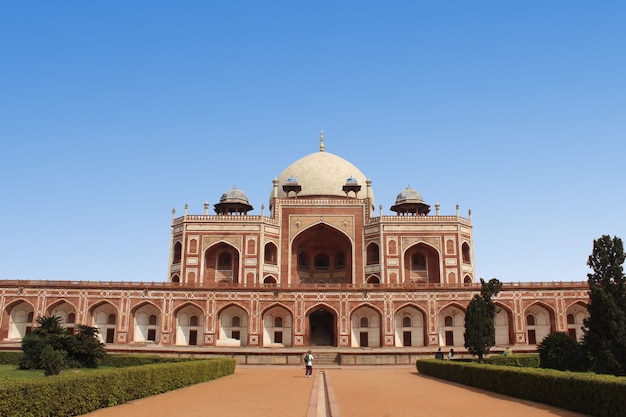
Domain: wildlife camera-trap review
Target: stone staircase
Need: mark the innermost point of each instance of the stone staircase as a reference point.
(325, 358)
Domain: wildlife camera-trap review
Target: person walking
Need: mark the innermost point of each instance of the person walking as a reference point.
(308, 364)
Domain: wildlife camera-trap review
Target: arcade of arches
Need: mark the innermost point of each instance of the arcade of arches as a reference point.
(281, 323)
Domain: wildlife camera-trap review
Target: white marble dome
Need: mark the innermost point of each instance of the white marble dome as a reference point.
(323, 174)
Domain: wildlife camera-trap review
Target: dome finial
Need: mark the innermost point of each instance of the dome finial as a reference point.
(322, 141)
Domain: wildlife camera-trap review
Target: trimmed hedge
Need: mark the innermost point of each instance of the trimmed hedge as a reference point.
(10, 357)
(126, 360)
(587, 393)
(520, 361)
(72, 394)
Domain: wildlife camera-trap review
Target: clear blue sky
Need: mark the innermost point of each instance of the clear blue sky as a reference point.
(114, 112)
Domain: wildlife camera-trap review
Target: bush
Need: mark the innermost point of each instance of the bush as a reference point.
(559, 351)
(51, 361)
(526, 360)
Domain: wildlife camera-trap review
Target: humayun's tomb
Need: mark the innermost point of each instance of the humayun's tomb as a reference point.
(317, 268)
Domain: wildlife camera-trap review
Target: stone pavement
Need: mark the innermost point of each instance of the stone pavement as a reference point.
(377, 391)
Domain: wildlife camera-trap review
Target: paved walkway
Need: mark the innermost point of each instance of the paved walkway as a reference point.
(381, 391)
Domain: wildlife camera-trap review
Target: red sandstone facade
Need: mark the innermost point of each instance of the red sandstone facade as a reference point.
(320, 269)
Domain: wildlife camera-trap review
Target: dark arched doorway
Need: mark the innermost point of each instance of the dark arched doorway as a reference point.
(321, 328)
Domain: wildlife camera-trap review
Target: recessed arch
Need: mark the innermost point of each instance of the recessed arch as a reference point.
(365, 304)
(321, 253)
(422, 264)
(410, 329)
(503, 322)
(321, 325)
(271, 253)
(177, 252)
(99, 304)
(21, 316)
(466, 253)
(372, 253)
(62, 305)
(373, 279)
(277, 326)
(105, 317)
(189, 319)
(540, 321)
(188, 304)
(270, 280)
(14, 303)
(193, 245)
(146, 323)
(233, 325)
(450, 247)
(392, 246)
(66, 311)
(454, 304)
(452, 325)
(366, 326)
(221, 263)
(233, 304)
(575, 314)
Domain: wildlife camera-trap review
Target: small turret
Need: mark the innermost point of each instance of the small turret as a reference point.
(410, 202)
(233, 201)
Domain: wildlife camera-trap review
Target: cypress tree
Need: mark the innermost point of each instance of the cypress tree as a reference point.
(604, 330)
(480, 330)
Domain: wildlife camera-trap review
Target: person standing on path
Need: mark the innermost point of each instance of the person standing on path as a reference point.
(308, 364)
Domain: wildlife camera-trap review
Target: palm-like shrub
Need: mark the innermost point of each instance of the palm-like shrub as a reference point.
(48, 333)
(51, 347)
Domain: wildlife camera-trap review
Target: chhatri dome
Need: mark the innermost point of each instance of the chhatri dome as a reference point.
(323, 174)
(233, 201)
(410, 201)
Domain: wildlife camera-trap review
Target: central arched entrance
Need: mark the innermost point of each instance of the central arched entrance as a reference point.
(322, 254)
(321, 328)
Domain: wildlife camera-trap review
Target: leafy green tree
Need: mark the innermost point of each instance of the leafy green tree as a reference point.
(559, 351)
(604, 330)
(480, 330)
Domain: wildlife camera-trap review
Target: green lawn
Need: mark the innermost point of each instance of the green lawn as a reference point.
(11, 373)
